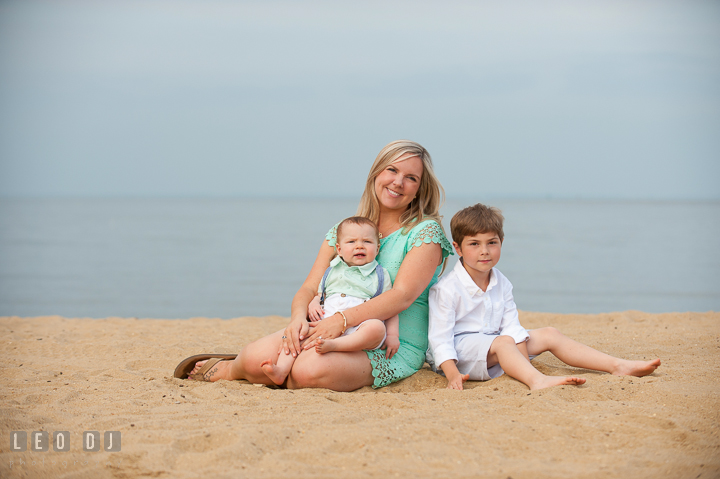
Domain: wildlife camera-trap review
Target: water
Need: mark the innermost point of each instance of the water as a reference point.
(180, 258)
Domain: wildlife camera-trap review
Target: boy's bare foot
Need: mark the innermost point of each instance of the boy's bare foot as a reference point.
(549, 381)
(219, 371)
(636, 368)
(274, 372)
(325, 345)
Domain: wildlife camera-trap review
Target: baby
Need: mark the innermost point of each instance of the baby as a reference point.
(352, 278)
(474, 328)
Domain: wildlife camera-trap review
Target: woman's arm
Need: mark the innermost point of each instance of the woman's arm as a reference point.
(414, 275)
(297, 330)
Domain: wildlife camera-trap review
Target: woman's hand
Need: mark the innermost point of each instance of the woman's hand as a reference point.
(295, 332)
(298, 329)
(328, 328)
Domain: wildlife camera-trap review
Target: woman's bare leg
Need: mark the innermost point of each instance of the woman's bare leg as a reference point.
(581, 356)
(248, 364)
(339, 371)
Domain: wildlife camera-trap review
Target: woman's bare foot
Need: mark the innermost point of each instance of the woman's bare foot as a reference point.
(549, 381)
(325, 345)
(219, 371)
(277, 374)
(636, 368)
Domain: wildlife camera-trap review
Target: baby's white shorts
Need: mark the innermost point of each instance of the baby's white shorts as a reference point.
(338, 302)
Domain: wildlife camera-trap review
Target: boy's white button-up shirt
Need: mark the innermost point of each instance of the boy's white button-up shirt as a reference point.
(458, 305)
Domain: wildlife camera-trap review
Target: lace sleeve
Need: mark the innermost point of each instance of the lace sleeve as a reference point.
(331, 236)
(427, 232)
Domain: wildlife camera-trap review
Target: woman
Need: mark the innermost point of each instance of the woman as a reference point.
(403, 196)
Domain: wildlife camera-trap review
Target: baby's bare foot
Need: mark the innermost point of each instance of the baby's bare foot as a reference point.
(549, 381)
(636, 368)
(325, 345)
(275, 373)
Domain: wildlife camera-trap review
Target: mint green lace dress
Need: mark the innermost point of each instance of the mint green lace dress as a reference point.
(414, 320)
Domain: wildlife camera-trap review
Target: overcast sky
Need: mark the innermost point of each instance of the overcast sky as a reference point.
(604, 99)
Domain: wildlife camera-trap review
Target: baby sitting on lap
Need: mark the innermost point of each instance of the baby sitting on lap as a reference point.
(352, 278)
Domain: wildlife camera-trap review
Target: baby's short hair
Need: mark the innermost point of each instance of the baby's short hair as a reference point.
(357, 220)
(476, 219)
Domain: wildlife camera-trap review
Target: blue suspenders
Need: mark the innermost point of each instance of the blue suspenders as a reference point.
(378, 270)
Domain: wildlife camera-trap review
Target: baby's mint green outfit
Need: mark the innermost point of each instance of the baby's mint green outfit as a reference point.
(414, 320)
(358, 281)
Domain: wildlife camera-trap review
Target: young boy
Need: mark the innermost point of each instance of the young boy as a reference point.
(474, 328)
(352, 278)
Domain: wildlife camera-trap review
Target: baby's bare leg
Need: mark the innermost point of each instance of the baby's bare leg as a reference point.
(505, 352)
(278, 372)
(581, 356)
(368, 336)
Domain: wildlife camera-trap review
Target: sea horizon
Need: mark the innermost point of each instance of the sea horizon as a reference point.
(168, 257)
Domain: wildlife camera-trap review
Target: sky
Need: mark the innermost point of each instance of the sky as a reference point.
(513, 99)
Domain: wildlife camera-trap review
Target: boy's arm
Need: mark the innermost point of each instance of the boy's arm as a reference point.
(510, 324)
(455, 379)
(441, 335)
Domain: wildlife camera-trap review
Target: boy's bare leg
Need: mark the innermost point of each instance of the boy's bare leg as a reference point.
(581, 356)
(368, 336)
(505, 352)
(278, 372)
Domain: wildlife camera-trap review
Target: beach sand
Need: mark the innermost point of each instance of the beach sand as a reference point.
(115, 374)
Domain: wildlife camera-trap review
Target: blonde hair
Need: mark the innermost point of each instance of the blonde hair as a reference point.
(430, 195)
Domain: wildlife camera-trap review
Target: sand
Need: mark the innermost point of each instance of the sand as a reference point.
(115, 374)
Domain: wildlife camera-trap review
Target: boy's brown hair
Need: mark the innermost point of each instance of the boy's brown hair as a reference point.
(357, 220)
(476, 219)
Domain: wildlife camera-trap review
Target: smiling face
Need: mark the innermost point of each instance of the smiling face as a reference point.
(358, 244)
(397, 185)
(480, 253)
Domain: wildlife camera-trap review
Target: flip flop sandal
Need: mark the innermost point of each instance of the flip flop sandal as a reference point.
(182, 371)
